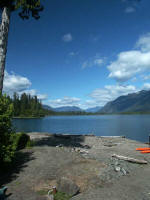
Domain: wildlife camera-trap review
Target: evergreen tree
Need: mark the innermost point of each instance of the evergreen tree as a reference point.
(6, 133)
(28, 106)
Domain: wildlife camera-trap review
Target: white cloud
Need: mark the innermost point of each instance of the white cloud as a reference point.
(98, 61)
(110, 92)
(144, 43)
(134, 79)
(73, 53)
(15, 83)
(42, 96)
(146, 77)
(20, 84)
(130, 10)
(98, 97)
(146, 86)
(130, 63)
(67, 37)
(65, 101)
(33, 92)
(93, 62)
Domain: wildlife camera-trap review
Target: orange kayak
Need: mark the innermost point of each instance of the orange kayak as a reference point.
(146, 151)
(143, 149)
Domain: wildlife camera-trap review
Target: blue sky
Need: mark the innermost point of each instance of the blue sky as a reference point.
(80, 53)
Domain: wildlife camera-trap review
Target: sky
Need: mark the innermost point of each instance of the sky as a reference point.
(80, 53)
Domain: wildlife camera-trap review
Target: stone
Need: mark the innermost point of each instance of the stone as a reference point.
(117, 169)
(123, 171)
(67, 186)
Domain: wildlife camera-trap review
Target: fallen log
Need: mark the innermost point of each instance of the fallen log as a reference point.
(130, 159)
(113, 136)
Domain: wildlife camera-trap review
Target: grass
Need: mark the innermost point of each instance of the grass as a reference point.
(30, 144)
(57, 196)
(61, 196)
(42, 192)
(16, 183)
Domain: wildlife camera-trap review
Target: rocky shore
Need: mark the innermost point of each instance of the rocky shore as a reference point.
(82, 166)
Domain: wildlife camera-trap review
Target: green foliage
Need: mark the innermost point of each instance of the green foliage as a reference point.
(28, 106)
(20, 141)
(42, 192)
(30, 144)
(61, 196)
(6, 133)
(26, 8)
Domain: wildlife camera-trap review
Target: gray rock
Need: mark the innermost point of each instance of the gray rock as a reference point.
(67, 186)
(117, 169)
(124, 171)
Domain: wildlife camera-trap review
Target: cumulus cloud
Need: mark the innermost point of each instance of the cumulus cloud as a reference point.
(110, 92)
(34, 92)
(146, 86)
(130, 63)
(146, 77)
(93, 62)
(65, 101)
(20, 84)
(130, 10)
(99, 97)
(144, 43)
(15, 83)
(67, 37)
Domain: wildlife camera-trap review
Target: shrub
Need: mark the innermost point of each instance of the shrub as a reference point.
(21, 140)
(6, 133)
(61, 196)
(30, 144)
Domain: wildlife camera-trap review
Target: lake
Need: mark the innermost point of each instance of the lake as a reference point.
(135, 127)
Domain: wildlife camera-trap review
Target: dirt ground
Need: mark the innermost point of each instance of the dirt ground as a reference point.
(87, 161)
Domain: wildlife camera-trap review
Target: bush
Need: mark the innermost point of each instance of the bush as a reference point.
(61, 196)
(6, 133)
(21, 140)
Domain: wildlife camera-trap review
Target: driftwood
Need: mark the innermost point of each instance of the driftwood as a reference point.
(130, 159)
(115, 136)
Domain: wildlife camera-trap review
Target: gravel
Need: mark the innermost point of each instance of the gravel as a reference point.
(85, 160)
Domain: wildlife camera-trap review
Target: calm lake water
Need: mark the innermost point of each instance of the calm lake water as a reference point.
(135, 127)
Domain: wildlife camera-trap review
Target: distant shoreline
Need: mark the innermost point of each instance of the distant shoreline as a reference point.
(93, 114)
(27, 117)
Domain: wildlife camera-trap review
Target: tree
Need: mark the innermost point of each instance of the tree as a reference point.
(6, 132)
(26, 9)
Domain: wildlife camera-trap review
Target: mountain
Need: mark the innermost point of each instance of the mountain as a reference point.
(48, 107)
(93, 110)
(135, 102)
(68, 109)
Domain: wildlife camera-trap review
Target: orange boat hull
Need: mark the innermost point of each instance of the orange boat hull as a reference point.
(148, 151)
(143, 149)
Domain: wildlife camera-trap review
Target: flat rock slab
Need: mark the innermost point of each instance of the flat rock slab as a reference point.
(67, 186)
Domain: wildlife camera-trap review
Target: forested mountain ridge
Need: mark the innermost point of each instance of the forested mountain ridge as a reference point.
(135, 102)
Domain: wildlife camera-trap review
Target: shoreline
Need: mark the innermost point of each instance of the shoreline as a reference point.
(91, 114)
(27, 117)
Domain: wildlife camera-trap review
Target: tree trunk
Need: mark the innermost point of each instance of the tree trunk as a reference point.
(4, 29)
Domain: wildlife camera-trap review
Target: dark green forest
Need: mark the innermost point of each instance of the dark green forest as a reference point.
(28, 106)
